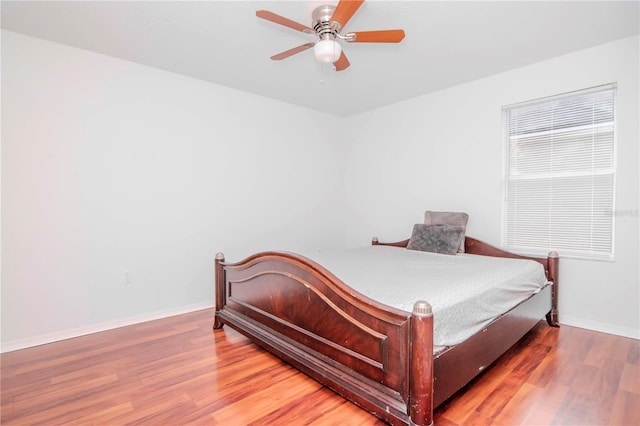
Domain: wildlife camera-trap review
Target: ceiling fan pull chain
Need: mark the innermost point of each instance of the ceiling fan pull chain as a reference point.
(323, 72)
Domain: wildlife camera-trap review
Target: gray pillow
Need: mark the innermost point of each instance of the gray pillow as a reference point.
(447, 218)
(444, 239)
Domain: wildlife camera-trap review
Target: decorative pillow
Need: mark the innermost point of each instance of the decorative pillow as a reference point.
(444, 239)
(448, 218)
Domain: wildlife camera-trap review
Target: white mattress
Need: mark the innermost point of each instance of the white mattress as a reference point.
(466, 291)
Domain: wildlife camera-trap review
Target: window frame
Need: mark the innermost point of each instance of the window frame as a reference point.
(540, 251)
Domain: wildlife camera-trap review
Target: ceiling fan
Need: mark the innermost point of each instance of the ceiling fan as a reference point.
(327, 22)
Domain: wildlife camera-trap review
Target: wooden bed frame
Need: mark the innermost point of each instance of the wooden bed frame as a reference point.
(378, 357)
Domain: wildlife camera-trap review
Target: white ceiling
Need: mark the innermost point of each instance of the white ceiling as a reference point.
(447, 42)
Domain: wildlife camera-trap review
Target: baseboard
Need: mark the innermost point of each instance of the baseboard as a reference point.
(14, 345)
(43, 339)
(633, 333)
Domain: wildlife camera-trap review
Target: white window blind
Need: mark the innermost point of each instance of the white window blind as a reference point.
(560, 174)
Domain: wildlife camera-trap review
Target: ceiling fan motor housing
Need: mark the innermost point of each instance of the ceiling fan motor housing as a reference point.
(321, 22)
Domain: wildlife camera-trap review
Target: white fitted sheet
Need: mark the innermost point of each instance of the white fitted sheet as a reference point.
(466, 291)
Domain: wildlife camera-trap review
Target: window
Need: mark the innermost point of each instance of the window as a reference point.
(560, 174)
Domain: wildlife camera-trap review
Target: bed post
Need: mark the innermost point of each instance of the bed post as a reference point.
(421, 365)
(220, 288)
(552, 261)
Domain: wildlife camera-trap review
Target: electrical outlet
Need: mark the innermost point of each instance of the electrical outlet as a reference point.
(127, 278)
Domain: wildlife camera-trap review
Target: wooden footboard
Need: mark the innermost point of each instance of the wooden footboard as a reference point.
(354, 345)
(379, 357)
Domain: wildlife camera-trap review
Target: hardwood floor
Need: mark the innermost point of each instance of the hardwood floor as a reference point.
(177, 371)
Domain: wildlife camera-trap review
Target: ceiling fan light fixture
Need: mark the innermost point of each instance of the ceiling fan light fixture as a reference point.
(327, 50)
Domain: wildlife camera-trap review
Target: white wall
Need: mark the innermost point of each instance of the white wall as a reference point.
(111, 167)
(444, 151)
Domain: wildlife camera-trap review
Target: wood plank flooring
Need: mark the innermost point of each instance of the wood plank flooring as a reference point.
(176, 371)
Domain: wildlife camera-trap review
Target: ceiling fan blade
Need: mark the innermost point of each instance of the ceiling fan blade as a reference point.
(292, 52)
(342, 62)
(382, 36)
(273, 17)
(345, 10)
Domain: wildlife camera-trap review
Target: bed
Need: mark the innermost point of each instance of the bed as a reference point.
(378, 356)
